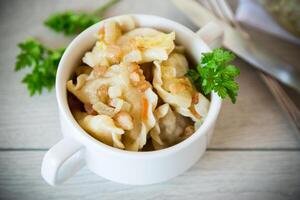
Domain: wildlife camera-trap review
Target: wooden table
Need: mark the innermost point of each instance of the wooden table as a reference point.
(254, 154)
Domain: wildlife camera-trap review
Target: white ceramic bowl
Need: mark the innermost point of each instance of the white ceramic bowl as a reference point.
(78, 148)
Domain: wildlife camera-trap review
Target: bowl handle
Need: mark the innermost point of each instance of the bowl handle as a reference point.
(62, 161)
(211, 34)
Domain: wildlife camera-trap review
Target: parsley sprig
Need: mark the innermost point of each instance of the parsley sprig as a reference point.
(42, 61)
(71, 22)
(214, 73)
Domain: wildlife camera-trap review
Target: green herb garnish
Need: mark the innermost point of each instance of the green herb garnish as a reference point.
(42, 61)
(214, 73)
(71, 22)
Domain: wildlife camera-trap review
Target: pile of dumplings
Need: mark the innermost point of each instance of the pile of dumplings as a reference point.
(131, 91)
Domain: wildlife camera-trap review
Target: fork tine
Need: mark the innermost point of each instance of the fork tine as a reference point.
(223, 5)
(229, 15)
(227, 12)
(214, 8)
(206, 4)
(212, 5)
(223, 12)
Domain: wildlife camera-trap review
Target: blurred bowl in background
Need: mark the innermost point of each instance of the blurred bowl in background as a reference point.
(285, 12)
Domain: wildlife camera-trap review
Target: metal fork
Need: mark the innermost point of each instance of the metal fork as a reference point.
(224, 12)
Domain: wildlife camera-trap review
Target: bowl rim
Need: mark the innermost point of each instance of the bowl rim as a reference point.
(87, 140)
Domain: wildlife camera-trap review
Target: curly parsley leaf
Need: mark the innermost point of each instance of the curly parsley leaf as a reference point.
(70, 22)
(214, 73)
(42, 61)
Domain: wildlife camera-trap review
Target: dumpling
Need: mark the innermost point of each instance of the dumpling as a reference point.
(85, 89)
(170, 127)
(122, 88)
(97, 86)
(176, 64)
(83, 70)
(113, 29)
(146, 45)
(179, 49)
(172, 89)
(103, 55)
(102, 127)
(139, 94)
(198, 109)
(106, 52)
(126, 23)
(177, 90)
(143, 101)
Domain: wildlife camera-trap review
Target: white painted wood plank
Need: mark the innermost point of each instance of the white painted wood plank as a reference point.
(219, 175)
(255, 122)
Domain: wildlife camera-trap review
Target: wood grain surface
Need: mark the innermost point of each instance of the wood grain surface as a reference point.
(254, 153)
(219, 175)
